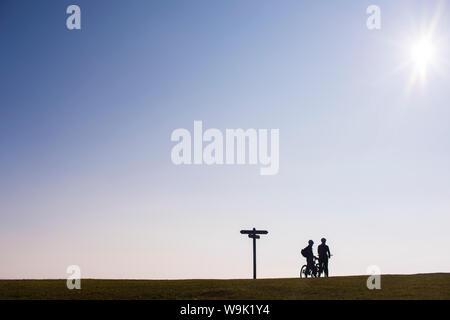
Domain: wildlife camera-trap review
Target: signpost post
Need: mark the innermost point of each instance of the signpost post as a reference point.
(254, 234)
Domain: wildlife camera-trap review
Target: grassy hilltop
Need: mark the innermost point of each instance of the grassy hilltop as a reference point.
(420, 286)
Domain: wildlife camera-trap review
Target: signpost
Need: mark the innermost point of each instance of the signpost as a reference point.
(254, 234)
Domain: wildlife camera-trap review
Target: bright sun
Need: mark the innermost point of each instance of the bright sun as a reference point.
(422, 51)
(422, 54)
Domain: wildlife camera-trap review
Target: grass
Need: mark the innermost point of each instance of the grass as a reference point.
(420, 286)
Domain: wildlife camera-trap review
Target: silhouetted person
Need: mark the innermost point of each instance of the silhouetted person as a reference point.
(308, 251)
(324, 255)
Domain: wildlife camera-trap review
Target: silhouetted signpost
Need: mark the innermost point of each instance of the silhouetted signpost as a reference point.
(254, 234)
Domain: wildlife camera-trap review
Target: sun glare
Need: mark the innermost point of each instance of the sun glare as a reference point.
(423, 51)
(423, 57)
(422, 54)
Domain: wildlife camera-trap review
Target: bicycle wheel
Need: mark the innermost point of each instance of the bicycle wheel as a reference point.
(303, 272)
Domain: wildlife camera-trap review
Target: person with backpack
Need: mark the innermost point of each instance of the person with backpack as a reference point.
(324, 254)
(308, 254)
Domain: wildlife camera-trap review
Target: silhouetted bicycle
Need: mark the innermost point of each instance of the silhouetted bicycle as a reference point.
(311, 273)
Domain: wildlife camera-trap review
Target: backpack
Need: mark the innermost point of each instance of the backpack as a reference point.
(304, 252)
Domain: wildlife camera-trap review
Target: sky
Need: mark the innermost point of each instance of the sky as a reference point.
(86, 116)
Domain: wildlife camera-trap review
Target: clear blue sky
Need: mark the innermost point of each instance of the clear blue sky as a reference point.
(86, 117)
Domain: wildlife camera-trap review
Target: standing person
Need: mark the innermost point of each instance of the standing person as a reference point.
(324, 255)
(308, 254)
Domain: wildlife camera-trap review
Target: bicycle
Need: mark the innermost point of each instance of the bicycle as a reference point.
(311, 273)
